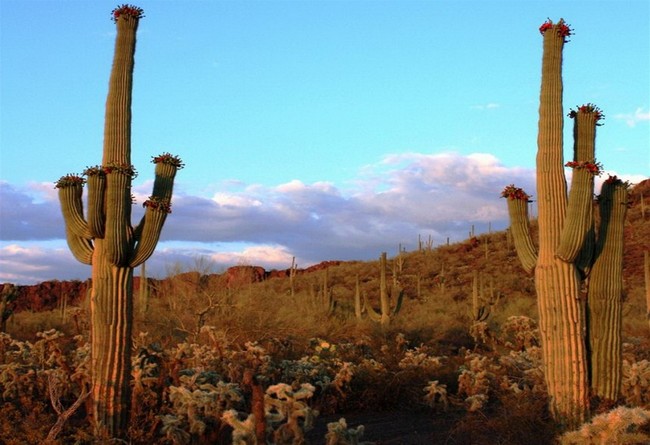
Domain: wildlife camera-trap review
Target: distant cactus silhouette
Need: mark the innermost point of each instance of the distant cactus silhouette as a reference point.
(106, 239)
(569, 251)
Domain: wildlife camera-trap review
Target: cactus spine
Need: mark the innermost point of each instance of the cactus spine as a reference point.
(567, 254)
(107, 241)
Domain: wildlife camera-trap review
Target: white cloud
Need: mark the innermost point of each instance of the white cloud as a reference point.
(391, 202)
(488, 106)
(631, 119)
(32, 262)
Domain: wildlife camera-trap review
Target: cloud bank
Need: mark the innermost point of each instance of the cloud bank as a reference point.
(388, 204)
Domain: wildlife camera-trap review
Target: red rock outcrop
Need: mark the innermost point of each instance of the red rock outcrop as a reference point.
(241, 275)
(48, 295)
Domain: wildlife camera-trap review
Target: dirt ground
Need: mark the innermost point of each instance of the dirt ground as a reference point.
(387, 428)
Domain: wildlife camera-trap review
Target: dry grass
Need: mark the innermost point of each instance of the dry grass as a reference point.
(197, 324)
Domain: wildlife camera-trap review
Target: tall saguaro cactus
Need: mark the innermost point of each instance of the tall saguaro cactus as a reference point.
(581, 343)
(106, 239)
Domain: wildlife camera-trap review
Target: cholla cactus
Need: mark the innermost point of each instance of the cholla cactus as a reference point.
(105, 238)
(523, 330)
(621, 426)
(636, 382)
(243, 430)
(474, 381)
(197, 400)
(338, 433)
(436, 394)
(283, 404)
(419, 358)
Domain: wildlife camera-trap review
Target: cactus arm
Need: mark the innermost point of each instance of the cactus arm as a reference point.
(166, 167)
(150, 228)
(398, 304)
(520, 228)
(147, 232)
(81, 248)
(372, 313)
(606, 290)
(96, 186)
(70, 192)
(579, 217)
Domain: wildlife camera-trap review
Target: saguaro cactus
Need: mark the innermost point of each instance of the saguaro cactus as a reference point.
(106, 239)
(569, 258)
(384, 300)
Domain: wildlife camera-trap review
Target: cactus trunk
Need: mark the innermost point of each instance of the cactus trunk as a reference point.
(557, 282)
(111, 308)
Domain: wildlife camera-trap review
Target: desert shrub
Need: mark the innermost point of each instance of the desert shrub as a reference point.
(622, 426)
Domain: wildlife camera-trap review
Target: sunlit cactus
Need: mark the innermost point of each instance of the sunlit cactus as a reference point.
(568, 254)
(105, 238)
(605, 292)
(384, 299)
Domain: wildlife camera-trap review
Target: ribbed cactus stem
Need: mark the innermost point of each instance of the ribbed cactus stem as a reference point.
(118, 222)
(117, 141)
(72, 209)
(520, 226)
(551, 183)
(579, 218)
(111, 308)
(383, 292)
(81, 248)
(557, 283)
(569, 252)
(606, 292)
(76, 229)
(475, 294)
(96, 200)
(108, 241)
(158, 206)
(164, 176)
(646, 273)
(151, 224)
(357, 298)
(117, 124)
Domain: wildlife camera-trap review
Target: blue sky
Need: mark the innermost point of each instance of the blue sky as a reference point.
(316, 129)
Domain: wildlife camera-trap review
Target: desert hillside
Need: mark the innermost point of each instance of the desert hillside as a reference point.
(459, 362)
